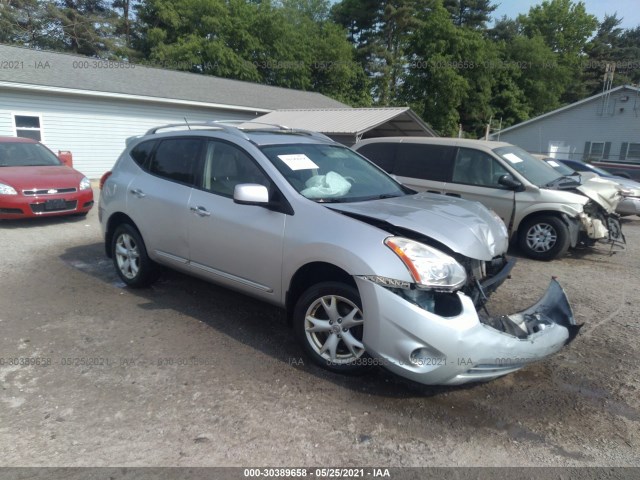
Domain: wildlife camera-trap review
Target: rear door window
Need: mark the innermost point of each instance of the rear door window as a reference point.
(177, 160)
(425, 162)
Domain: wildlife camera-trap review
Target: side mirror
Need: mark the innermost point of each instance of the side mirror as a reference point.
(510, 182)
(251, 194)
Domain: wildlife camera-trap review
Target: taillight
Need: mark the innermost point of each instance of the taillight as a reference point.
(104, 178)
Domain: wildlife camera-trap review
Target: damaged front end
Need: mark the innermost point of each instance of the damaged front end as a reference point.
(449, 337)
(599, 221)
(601, 225)
(552, 308)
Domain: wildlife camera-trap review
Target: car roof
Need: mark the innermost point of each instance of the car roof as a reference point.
(17, 140)
(456, 142)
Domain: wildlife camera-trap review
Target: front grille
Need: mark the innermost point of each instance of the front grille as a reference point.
(41, 207)
(48, 191)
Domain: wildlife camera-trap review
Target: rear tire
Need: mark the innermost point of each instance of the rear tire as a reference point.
(133, 265)
(329, 323)
(544, 237)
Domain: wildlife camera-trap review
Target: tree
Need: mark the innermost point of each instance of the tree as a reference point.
(27, 23)
(451, 73)
(124, 23)
(83, 26)
(316, 10)
(283, 44)
(565, 27)
(470, 13)
(381, 31)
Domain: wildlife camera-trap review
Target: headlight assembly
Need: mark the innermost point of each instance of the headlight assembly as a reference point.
(7, 189)
(85, 184)
(430, 268)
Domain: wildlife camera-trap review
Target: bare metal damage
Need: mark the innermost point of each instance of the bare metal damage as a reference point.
(599, 220)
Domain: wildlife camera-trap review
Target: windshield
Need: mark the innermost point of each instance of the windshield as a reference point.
(14, 154)
(537, 172)
(561, 168)
(600, 171)
(331, 173)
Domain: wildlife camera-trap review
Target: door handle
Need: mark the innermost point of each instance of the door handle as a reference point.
(138, 193)
(203, 212)
(453, 195)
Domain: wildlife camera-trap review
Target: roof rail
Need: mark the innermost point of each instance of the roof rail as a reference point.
(227, 126)
(279, 127)
(209, 124)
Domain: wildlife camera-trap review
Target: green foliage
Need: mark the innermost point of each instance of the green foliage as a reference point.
(470, 13)
(287, 45)
(451, 73)
(439, 56)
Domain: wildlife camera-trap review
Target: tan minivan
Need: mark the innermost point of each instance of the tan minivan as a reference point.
(546, 212)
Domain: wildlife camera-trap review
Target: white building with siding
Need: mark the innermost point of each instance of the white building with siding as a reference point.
(90, 107)
(603, 128)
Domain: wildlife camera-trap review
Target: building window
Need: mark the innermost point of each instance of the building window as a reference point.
(28, 126)
(630, 151)
(596, 151)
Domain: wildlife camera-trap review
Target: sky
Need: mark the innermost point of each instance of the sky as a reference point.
(629, 10)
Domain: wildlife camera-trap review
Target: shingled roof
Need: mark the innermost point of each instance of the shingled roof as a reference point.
(75, 74)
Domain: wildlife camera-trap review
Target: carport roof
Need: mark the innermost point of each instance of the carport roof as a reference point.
(394, 121)
(74, 74)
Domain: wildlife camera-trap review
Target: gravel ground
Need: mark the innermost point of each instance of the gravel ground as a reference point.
(189, 374)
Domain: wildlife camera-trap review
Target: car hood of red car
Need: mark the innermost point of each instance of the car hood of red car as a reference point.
(25, 178)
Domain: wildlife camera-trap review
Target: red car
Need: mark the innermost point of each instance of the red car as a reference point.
(35, 183)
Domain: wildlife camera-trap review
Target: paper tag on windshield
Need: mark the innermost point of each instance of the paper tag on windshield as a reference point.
(298, 161)
(513, 158)
(553, 163)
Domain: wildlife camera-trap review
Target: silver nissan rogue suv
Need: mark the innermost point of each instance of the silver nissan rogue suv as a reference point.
(368, 271)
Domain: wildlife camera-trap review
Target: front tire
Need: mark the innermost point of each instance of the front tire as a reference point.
(544, 237)
(133, 265)
(329, 323)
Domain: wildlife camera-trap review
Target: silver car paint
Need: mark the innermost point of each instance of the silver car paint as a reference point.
(466, 227)
(262, 250)
(459, 346)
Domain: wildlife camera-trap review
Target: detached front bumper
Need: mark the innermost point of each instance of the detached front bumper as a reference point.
(432, 349)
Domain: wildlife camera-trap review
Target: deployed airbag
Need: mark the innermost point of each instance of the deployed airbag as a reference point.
(326, 186)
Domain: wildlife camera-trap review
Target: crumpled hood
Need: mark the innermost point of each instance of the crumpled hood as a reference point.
(466, 227)
(604, 193)
(626, 184)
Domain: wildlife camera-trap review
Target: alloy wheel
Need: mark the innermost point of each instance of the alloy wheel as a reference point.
(333, 326)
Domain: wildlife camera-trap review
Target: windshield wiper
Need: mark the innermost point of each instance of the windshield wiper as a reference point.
(561, 180)
(332, 200)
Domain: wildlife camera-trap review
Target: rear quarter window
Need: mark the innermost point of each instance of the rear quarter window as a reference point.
(142, 152)
(426, 162)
